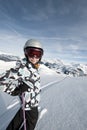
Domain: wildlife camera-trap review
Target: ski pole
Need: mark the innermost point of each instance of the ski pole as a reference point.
(23, 107)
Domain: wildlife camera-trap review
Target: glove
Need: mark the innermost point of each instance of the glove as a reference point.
(20, 89)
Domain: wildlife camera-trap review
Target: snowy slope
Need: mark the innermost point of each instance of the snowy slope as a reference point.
(65, 105)
(49, 75)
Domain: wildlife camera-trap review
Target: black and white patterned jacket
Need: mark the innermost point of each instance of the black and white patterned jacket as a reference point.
(23, 78)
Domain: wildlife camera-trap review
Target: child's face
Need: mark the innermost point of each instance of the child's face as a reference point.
(33, 60)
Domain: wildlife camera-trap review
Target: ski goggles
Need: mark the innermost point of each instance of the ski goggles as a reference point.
(33, 52)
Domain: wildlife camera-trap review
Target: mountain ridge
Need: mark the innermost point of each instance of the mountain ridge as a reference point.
(73, 69)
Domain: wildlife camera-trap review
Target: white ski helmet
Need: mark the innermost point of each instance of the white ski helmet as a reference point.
(33, 43)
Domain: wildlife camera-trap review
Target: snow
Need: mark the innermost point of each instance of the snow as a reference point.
(72, 69)
(66, 104)
(6, 65)
(63, 100)
(48, 75)
(9, 105)
(42, 113)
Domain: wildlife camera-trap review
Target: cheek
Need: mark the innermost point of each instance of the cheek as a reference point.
(37, 60)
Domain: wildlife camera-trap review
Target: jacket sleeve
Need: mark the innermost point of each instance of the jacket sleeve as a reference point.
(14, 81)
(9, 80)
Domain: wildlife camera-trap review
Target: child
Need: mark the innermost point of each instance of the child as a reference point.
(25, 79)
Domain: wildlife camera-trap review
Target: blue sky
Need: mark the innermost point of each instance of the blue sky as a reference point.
(61, 26)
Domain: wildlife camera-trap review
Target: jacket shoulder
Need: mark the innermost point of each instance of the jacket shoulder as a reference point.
(21, 63)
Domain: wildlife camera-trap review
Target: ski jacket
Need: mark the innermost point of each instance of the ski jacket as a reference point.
(23, 78)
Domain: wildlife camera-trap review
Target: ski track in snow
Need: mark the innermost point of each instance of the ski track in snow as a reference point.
(54, 82)
(14, 104)
(42, 113)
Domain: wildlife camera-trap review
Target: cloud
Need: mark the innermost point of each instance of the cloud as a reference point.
(12, 43)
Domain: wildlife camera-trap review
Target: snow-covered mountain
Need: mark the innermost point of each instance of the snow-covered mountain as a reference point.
(55, 64)
(68, 69)
(8, 57)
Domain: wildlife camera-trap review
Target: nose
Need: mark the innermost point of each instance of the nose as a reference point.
(34, 56)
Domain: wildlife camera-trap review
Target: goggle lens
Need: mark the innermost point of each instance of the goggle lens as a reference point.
(33, 52)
